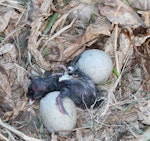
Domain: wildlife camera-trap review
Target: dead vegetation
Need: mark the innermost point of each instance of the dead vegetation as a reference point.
(37, 35)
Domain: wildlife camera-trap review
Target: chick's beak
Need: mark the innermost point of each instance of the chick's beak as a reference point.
(31, 101)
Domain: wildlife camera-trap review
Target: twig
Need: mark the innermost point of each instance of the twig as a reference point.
(11, 34)
(12, 6)
(59, 32)
(62, 30)
(111, 91)
(18, 133)
(115, 47)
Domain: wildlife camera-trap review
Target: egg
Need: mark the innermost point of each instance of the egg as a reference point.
(53, 119)
(96, 64)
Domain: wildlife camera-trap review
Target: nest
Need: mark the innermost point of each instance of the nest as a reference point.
(37, 36)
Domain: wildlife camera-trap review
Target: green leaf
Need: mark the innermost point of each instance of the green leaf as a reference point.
(52, 20)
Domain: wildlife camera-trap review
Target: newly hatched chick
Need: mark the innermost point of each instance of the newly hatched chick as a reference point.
(39, 87)
(81, 91)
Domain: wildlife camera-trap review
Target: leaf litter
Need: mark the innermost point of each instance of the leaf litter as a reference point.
(37, 36)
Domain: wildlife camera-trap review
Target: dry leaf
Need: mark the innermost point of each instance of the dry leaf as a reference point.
(6, 102)
(20, 106)
(6, 48)
(5, 90)
(82, 13)
(33, 44)
(144, 113)
(9, 53)
(16, 84)
(125, 49)
(20, 75)
(143, 55)
(146, 17)
(119, 13)
(92, 32)
(16, 4)
(45, 7)
(138, 41)
(4, 19)
(140, 4)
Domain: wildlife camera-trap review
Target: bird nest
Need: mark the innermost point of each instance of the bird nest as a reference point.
(37, 36)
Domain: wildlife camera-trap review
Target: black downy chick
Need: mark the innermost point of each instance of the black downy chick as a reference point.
(39, 87)
(82, 91)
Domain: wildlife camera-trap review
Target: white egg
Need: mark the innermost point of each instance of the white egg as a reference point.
(53, 119)
(96, 64)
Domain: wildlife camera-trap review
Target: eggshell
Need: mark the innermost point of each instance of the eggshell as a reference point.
(53, 119)
(96, 64)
